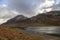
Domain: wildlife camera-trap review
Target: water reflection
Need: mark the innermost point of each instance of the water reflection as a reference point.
(51, 30)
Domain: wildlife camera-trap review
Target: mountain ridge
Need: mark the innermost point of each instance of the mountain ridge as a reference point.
(16, 19)
(45, 19)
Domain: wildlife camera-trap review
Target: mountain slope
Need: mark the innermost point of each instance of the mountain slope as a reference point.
(16, 19)
(46, 19)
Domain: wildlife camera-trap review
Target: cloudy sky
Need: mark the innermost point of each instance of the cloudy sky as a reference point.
(11, 8)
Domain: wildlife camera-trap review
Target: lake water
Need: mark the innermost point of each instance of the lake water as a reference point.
(50, 30)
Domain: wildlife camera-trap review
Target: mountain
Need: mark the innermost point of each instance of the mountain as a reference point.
(16, 19)
(45, 19)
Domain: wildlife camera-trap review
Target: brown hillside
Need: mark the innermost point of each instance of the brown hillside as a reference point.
(12, 34)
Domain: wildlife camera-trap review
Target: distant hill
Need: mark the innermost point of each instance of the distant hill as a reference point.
(16, 19)
(45, 19)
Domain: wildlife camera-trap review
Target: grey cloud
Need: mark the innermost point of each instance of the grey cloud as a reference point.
(57, 7)
(6, 13)
(25, 7)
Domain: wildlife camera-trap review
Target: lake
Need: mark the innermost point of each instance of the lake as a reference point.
(49, 30)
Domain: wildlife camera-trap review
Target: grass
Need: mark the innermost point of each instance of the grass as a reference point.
(12, 34)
